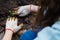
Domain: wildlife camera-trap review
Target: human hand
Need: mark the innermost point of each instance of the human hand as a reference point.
(23, 10)
(11, 23)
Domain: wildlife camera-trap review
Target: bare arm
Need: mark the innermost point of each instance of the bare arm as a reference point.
(34, 8)
(8, 35)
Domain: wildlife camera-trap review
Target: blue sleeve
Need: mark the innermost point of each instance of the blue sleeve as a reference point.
(23, 37)
(29, 35)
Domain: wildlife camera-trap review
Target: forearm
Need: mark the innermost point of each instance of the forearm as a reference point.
(8, 35)
(34, 8)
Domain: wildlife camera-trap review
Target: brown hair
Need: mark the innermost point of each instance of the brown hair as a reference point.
(53, 7)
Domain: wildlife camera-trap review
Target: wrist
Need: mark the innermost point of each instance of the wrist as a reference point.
(34, 8)
(30, 7)
(10, 30)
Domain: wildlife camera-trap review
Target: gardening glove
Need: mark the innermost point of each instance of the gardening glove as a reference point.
(11, 23)
(25, 10)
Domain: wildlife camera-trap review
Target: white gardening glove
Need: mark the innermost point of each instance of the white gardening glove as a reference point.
(25, 10)
(11, 23)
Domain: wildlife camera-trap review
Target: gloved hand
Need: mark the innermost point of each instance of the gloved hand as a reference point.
(11, 23)
(25, 10)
